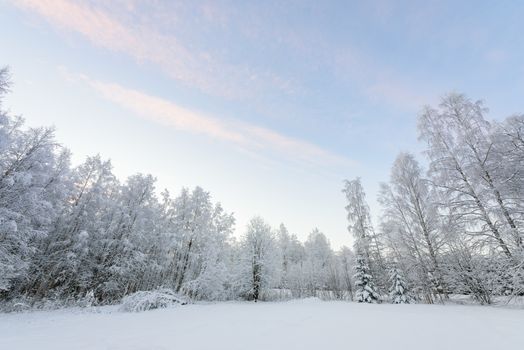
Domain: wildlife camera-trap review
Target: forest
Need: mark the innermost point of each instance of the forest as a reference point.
(452, 223)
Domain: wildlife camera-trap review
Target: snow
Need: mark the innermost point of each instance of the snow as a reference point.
(301, 324)
(149, 300)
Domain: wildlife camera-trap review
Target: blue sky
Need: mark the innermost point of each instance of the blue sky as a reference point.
(269, 105)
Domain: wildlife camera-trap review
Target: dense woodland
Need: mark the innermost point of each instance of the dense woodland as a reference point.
(80, 235)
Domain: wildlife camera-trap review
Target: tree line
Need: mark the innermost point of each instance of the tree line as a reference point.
(457, 227)
(72, 233)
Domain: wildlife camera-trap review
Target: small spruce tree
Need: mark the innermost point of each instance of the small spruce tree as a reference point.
(398, 292)
(365, 288)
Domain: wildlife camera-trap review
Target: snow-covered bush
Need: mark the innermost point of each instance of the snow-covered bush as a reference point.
(149, 300)
(25, 303)
(88, 300)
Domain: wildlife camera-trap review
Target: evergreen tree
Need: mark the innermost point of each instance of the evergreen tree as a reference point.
(365, 288)
(398, 292)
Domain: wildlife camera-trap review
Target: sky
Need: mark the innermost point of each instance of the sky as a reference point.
(268, 105)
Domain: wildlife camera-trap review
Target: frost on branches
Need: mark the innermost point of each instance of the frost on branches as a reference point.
(398, 292)
(365, 288)
(79, 234)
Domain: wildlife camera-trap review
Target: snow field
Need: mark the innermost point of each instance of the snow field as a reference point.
(303, 324)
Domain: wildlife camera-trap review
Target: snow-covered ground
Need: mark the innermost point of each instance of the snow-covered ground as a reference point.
(305, 324)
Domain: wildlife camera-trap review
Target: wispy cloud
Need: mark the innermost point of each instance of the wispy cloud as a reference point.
(104, 27)
(249, 138)
(156, 37)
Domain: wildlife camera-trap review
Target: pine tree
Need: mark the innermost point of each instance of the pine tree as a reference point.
(398, 292)
(365, 288)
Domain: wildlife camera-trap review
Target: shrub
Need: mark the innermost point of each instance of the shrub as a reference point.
(149, 300)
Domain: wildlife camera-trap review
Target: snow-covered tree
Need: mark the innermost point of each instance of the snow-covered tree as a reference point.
(319, 261)
(212, 275)
(66, 259)
(465, 169)
(346, 264)
(295, 273)
(366, 240)
(398, 292)
(284, 245)
(30, 193)
(412, 223)
(78, 233)
(365, 291)
(259, 265)
(197, 234)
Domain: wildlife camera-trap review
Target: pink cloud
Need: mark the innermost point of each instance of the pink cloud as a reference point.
(249, 138)
(140, 41)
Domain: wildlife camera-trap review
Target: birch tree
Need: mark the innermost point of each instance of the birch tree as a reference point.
(366, 242)
(413, 219)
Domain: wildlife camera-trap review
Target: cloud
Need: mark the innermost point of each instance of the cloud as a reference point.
(105, 27)
(249, 138)
(165, 112)
(158, 35)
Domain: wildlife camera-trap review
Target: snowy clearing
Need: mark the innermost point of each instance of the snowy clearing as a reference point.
(304, 324)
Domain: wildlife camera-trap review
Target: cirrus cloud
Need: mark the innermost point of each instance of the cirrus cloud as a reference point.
(103, 26)
(249, 138)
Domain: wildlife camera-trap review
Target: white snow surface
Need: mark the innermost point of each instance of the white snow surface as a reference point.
(301, 324)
